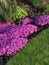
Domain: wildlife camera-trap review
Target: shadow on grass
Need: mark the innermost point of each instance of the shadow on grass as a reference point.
(38, 32)
(3, 60)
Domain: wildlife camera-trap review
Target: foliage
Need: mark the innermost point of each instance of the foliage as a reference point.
(7, 10)
(20, 13)
(35, 2)
(46, 8)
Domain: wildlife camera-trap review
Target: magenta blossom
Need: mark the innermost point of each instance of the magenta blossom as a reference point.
(10, 40)
(14, 37)
(42, 20)
(26, 20)
(28, 29)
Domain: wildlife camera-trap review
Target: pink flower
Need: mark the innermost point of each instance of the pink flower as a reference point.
(21, 42)
(15, 37)
(42, 20)
(26, 20)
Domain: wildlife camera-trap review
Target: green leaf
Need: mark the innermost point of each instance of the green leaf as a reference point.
(46, 8)
(20, 13)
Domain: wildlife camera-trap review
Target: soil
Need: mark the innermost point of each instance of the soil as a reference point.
(26, 6)
(32, 11)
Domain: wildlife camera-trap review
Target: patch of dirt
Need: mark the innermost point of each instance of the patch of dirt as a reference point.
(32, 11)
(26, 6)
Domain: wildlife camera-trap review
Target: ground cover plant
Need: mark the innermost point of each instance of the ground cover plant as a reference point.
(36, 52)
(24, 23)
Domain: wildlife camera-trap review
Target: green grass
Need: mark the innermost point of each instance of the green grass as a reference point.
(36, 52)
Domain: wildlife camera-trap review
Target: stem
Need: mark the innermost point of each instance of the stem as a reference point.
(1, 60)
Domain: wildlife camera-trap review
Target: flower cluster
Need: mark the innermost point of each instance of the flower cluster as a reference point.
(26, 20)
(14, 37)
(42, 20)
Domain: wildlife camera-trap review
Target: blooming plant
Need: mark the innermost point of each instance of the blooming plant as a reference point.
(42, 20)
(14, 37)
(26, 20)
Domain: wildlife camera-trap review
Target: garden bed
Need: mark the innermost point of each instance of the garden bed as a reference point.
(24, 23)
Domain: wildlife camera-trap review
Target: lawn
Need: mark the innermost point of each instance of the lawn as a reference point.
(36, 52)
